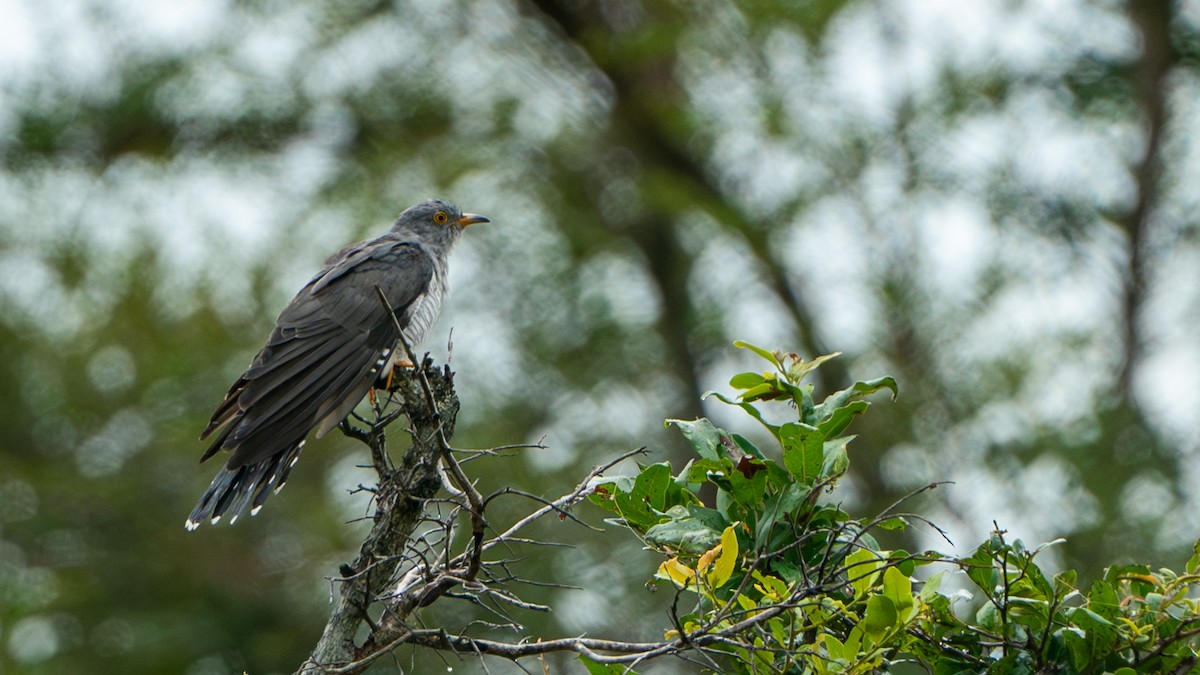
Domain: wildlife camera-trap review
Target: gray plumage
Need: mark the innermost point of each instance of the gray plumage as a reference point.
(330, 345)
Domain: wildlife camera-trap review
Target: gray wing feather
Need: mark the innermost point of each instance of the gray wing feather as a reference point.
(321, 354)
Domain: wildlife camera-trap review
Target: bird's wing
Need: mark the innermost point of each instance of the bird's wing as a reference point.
(325, 349)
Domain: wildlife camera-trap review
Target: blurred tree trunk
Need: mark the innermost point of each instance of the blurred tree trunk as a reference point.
(1127, 446)
(646, 122)
(1152, 19)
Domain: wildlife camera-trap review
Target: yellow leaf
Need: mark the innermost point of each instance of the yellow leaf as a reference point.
(727, 560)
(677, 572)
(749, 605)
(772, 588)
(707, 558)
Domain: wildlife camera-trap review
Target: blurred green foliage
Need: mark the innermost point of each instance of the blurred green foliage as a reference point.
(1001, 218)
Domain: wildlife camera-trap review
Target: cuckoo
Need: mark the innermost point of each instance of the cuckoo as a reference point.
(330, 346)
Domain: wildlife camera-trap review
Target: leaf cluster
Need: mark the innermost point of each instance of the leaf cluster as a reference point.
(773, 578)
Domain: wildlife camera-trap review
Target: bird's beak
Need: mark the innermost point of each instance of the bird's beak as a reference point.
(471, 219)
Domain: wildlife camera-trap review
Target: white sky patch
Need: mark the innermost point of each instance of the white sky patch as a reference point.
(485, 349)
(169, 27)
(359, 59)
(1024, 313)
(273, 47)
(862, 71)
(18, 41)
(1146, 497)
(623, 287)
(1039, 503)
(1053, 147)
(979, 145)
(578, 416)
(213, 91)
(827, 255)
(958, 240)
(80, 57)
(1167, 389)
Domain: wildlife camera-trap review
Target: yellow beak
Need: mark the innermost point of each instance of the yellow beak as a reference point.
(471, 219)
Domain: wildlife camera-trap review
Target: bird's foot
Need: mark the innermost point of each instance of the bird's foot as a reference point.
(399, 365)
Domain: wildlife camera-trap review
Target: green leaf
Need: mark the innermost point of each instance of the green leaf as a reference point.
(799, 368)
(898, 523)
(748, 492)
(835, 460)
(704, 437)
(856, 391)
(1134, 574)
(932, 586)
(987, 617)
(1101, 634)
(778, 477)
(1015, 663)
(771, 586)
(1103, 600)
(651, 485)
(746, 380)
(643, 505)
(801, 397)
(1194, 562)
(898, 588)
(605, 489)
(754, 393)
(900, 558)
(840, 418)
(1064, 584)
(980, 570)
(1089, 619)
(758, 350)
(679, 492)
(788, 571)
(750, 449)
(881, 616)
(779, 506)
(803, 451)
(862, 566)
(1077, 646)
(835, 648)
(700, 470)
(710, 518)
(1034, 582)
(683, 532)
(854, 641)
(749, 408)
(864, 538)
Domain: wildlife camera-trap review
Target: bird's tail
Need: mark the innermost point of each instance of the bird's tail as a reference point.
(233, 489)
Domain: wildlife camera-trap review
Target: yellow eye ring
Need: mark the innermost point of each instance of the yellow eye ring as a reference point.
(440, 217)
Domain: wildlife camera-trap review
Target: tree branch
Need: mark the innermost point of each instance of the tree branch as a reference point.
(399, 508)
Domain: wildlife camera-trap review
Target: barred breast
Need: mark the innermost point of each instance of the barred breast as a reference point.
(423, 312)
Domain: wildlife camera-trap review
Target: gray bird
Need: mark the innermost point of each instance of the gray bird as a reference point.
(330, 345)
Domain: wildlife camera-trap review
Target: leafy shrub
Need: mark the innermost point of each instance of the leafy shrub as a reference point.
(775, 579)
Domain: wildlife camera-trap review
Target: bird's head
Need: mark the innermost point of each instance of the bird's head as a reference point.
(435, 222)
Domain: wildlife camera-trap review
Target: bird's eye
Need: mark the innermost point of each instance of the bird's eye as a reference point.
(440, 217)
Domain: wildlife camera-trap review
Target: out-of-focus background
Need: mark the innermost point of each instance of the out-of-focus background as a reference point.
(993, 201)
